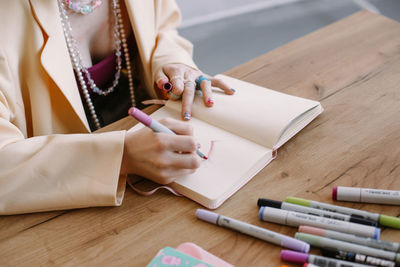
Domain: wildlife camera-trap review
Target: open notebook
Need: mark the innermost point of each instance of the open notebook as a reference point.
(244, 130)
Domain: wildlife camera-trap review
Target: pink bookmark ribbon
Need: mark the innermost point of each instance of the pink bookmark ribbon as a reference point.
(148, 193)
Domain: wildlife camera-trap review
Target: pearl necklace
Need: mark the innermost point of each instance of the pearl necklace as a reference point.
(77, 63)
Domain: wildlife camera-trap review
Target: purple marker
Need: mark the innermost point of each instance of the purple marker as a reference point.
(154, 125)
(298, 257)
(252, 230)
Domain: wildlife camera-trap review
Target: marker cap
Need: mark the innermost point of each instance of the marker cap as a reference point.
(298, 201)
(358, 220)
(346, 193)
(312, 230)
(390, 221)
(293, 256)
(273, 215)
(377, 233)
(289, 242)
(313, 240)
(334, 193)
(140, 116)
(207, 216)
(269, 203)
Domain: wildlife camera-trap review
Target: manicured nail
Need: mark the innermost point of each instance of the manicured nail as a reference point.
(186, 116)
(210, 101)
(198, 146)
(233, 90)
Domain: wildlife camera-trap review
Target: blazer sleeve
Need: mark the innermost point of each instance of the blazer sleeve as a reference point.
(170, 46)
(58, 171)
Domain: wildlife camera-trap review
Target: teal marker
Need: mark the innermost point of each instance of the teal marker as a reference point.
(385, 220)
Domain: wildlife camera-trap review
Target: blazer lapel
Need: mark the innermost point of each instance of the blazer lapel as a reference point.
(143, 27)
(55, 57)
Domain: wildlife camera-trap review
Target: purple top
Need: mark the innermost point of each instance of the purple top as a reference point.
(292, 243)
(207, 216)
(116, 104)
(103, 71)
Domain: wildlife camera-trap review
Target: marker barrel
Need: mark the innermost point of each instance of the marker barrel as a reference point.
(382, 219)
(298, 257)
(323, 242)
(307, 210)
(252, 230)
(295, 219)
(365, 241)
(334, 208)
(366, 195)
(356, 257)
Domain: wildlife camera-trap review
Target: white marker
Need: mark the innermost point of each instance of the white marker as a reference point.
(295, 219)
(327, 243)
(307, 210)
(365, 241)
(252, 230)
(366, 195)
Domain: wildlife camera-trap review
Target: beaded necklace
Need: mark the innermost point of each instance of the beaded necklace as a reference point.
(83, 8)
(77, 63)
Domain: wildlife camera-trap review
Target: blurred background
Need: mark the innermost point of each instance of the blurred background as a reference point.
(227, 33)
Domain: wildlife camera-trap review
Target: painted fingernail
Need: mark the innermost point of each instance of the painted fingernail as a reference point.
(233, 90)
(210, 101)
(186, 116)
(198, 146)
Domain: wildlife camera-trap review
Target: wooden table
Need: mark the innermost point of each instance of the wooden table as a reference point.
(352, 67)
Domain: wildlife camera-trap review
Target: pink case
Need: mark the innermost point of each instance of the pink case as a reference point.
(201, 254)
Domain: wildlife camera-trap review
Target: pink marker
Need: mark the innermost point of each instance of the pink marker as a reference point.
(154, 125)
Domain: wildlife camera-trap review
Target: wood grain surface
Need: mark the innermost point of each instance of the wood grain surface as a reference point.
(352, 67)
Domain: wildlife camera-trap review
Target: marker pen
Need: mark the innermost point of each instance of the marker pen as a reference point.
(298, 257)
(366, 195)
(385, 220)
(327, 243)
(252, 230)
(369, 242)
(356, 257)
(154, 125)
(307, 210)
(293, 218)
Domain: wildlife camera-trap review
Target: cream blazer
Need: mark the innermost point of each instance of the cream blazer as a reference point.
(49, 160)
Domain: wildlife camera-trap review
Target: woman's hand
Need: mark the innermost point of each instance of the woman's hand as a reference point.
(183, 79)
(161, 157)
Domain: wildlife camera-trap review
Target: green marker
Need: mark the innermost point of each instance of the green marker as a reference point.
(384, 220)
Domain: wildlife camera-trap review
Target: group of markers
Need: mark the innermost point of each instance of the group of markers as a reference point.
(347, 237)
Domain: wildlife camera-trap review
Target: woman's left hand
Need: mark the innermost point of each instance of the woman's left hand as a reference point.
(184, 82)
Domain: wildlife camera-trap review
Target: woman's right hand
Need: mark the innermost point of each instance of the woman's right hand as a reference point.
(161, 157)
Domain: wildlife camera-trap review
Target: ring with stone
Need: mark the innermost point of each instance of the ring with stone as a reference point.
(199, 80)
